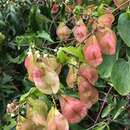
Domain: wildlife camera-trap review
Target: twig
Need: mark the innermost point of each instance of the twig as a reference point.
(121, 5)
(102, 105)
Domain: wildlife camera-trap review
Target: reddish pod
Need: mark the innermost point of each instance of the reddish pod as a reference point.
(73, 109)
(80, 31)
(63, 32)
(92, 51)
(46, 80)
(29, 65)
(79, 2)
(107, 40)
(106, 20)
(88, 94)
(54, 8)
(89, 73)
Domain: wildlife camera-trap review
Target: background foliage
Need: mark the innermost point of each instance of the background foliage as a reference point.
(26, 23)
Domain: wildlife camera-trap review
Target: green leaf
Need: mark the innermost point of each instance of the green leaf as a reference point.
(65, 53)
(124, 28)
(105, 68)
(76, 127)
(120, 77)
(106, 111)
(120, 107)
(44, 35)
(24, 97)
(19, 59)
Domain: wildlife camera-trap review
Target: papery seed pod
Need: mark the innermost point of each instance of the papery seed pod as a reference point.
(29, 65)
(46, 80)
(72, 76)
(80, 31)
(56, 121)
(39, 111)
(92, 51)
(25, 124)
(54, 8)
(118, 4)
(63, 32)
(88, 94)
(73, 109)
(89, 73)
(107, 40)
(106, 20)
(52, 62)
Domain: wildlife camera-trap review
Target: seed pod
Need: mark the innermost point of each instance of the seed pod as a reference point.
(39, 112)
(89, 73)
(88, 94)
(92, 51)
(56, 121)
(52, 62)
(73, 109)
(30, 64)
(25, 124)
(106, 20)
(71, 76)
(107, 40)
(63, 32)
(80, 31)
(54, 8)
(46, 80)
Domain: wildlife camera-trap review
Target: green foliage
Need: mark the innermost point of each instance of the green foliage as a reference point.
(121, 76)
(30, 25)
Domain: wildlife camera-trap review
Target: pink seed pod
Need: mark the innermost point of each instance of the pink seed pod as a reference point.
(29, 65)
(89, 73)
(56, 121)
(80, 31)
(107, 40)
(88, 94)
(106, 20)
(63, 32)
(46, 80)
(54, 8)
(92, 51)
(73, 109)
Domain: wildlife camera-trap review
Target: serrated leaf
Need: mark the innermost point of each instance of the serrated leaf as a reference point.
(105, 68)
(120, 77)
(124, 28)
